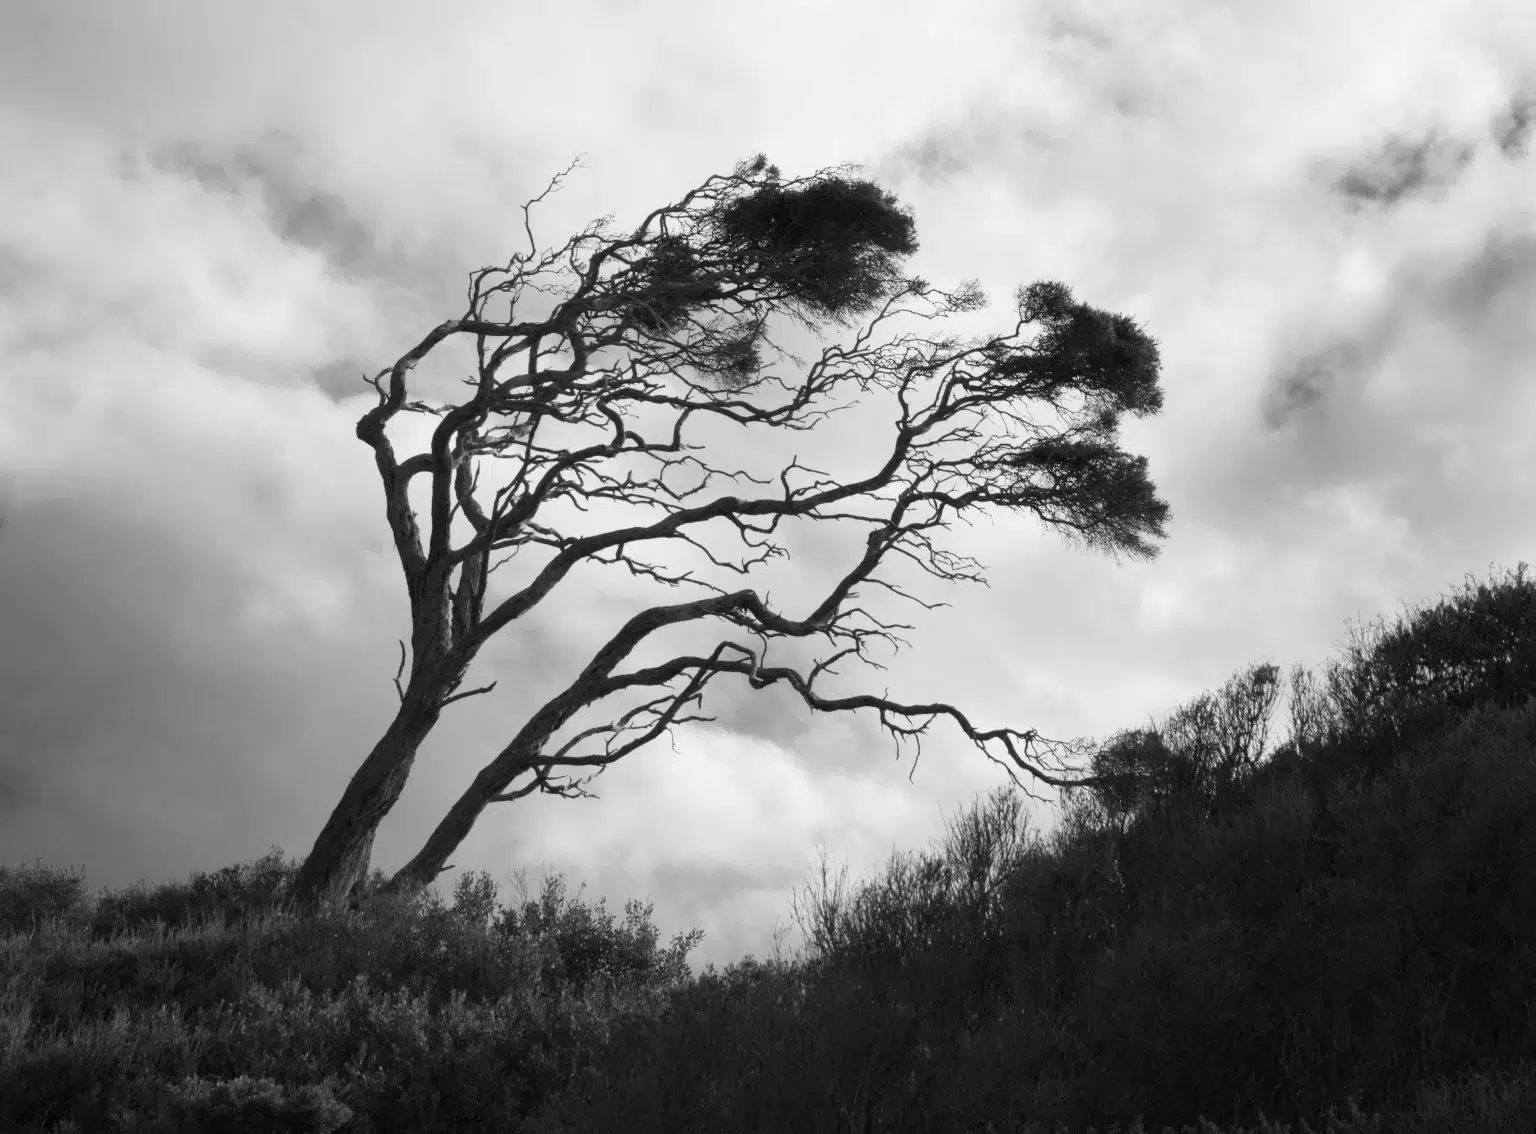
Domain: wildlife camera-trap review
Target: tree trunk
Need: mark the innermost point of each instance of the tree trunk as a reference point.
(338, 863)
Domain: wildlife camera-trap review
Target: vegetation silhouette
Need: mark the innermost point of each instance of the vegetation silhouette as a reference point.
(1337, 935)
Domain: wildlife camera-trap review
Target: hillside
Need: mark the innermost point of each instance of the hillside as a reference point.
(1257, 937)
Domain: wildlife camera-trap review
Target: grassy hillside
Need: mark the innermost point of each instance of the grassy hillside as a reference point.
(1335, 933)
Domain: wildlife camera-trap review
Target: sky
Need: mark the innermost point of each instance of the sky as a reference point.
(216, 218)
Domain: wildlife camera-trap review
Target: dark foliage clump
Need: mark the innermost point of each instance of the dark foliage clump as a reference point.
(832, 246)
(1107, 490)
(1104, 355)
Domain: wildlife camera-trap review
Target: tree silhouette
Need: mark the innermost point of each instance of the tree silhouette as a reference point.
(675, 317)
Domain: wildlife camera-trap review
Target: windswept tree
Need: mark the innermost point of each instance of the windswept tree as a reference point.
(674, 319)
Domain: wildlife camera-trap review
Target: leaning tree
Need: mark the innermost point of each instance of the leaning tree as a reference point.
(674, 319)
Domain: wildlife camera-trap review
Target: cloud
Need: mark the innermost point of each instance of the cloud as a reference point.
(1403, 167)
(1511, 128)
(296, 212)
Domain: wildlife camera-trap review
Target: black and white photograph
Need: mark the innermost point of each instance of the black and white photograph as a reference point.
(848, 566)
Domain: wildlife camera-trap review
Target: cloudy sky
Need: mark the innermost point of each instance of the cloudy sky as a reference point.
(215, 217)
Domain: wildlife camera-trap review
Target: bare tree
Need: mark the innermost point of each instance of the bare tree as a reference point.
(674, 318)
(1311, 717)
(1231, 738)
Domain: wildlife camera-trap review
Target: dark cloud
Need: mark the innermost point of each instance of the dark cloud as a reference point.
(16, 273)
(934, 159)
(342, 379)
(99, 664)
(1503, 271)
(1402, 168)
(1485, 297)
(302, 214)
(1301, 384)
(1512, 128)
(1072, 28)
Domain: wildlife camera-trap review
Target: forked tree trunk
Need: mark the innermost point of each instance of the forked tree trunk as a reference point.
(339, 860)
(492, 780)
